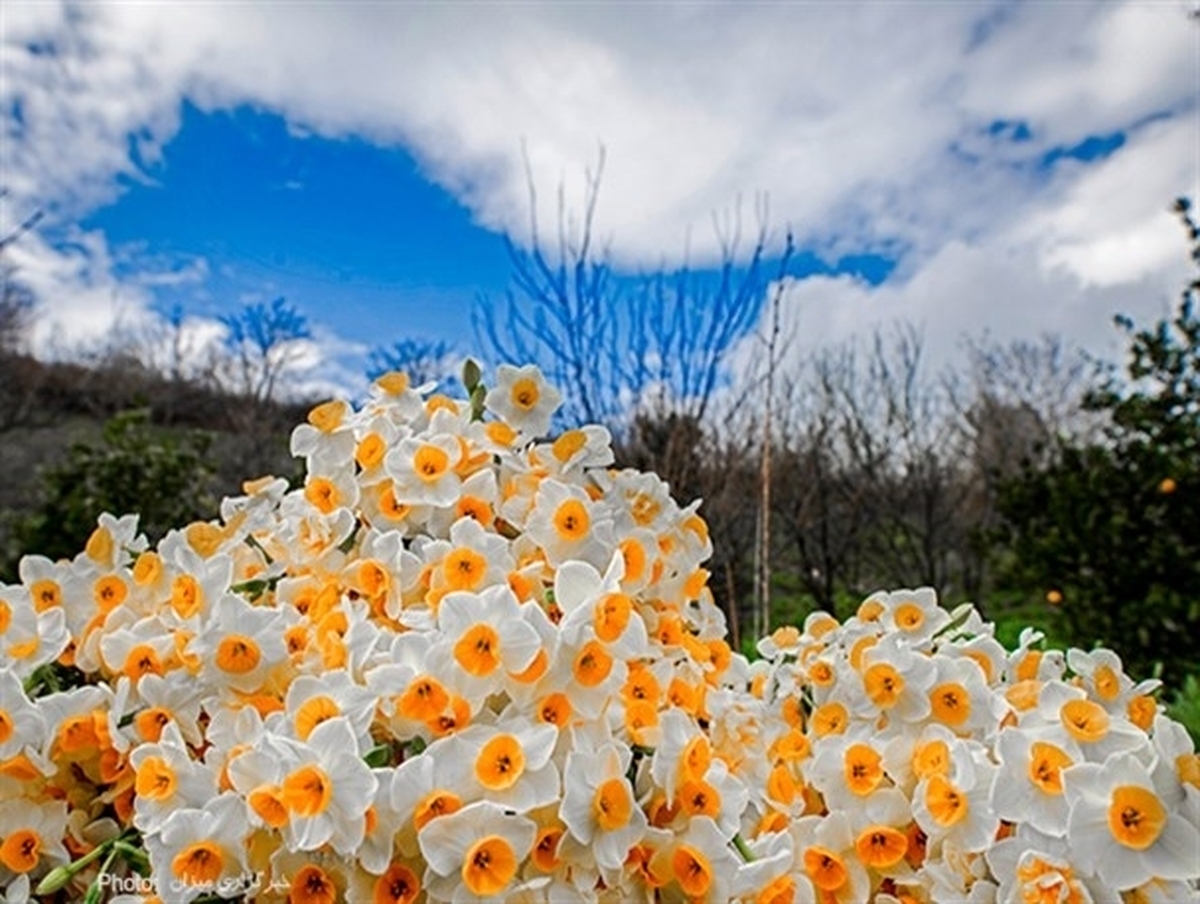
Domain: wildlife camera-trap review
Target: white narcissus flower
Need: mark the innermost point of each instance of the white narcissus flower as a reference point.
(22, 724)
(583, 447)
(509, 763)
(598, 805)
(326, 788)
(327, 436)
(423, 470)
(523, 399)
(422, 789)
(28, 638)
(476, 854)
(31, 837)
(1028, 787)
(1121, 826)
(896, 681)
(701, 861)
(486, 638)
(200, 851)
(239, 644)
(954, 806)
(568, 525)
(166, 779)
(312, 700)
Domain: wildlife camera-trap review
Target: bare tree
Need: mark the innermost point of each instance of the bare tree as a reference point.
(16, 300)
(424, 360)
(620, 345)
(264, 342)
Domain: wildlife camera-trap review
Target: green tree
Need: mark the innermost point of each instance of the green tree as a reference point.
(1110, 530)
(163, 476)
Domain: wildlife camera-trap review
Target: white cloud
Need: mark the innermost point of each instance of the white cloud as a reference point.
(865, 124)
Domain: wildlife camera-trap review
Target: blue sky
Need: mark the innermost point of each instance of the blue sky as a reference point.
(352, 234)
(982, 167)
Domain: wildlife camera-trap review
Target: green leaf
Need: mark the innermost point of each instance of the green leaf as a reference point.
(471, 375)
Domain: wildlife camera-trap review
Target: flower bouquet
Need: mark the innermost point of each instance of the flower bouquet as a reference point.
(464, 663)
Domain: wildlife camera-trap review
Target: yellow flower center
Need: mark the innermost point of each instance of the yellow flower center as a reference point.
(150, 723)
(328, 416)
(825, 868)
(430, 463)
(238, 654)
(198, 864)
(699, 798)
(611, 616)
(863, 769)
(1136, 817)
(951, 703)
(464, 569)
(565, 447)
(109, 592)
(571, 520)
(931, 758)
(545, 848)
(881, 847)
(45, 594)
(142, 660)
(830, 719)
(1108, 686)
(555, 709)
(946, 803)
(147, 569)
(478, 650)
(313, 712)
(909, 617)
(370, 451)
(883, 684)
(187, 597)
(592, 664)
(692, 870)
(322, 494)
(489, 866)
(423, 699)
(435, 804)
(21, 850)
(155, 779)
(1046, 763)
(611, 804)
(500, 763)
(307, 791)
(399, 885)
(1085, 720)
(525, 394)
(312, 885)
(267, 802)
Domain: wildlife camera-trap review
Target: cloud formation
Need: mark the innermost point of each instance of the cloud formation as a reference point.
(941, 135)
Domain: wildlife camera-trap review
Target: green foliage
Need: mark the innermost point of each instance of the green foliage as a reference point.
(164, 477)
(1114, 526)
(1184, 707)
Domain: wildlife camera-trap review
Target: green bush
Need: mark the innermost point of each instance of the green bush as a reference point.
(1111, 529)
(164, 476)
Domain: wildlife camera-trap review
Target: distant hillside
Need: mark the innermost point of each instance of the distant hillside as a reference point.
(45, 408)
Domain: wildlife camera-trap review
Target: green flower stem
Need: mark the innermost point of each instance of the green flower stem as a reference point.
(742, 848)
(61, 875)
(95, 890)
(252, 541)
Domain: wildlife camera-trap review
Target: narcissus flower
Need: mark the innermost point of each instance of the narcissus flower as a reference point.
(199, 851)
(461, 663)
(523, 399)
(1121, 826)
(476, 853)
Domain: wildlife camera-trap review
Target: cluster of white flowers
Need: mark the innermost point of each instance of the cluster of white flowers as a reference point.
(463, 664)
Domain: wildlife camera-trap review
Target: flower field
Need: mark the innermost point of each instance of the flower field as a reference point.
(463, 662)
